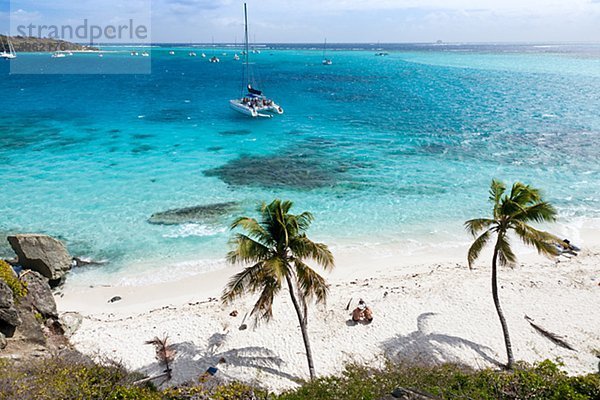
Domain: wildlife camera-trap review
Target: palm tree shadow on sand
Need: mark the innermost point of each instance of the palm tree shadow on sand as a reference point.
(427, 348)
(192, 361)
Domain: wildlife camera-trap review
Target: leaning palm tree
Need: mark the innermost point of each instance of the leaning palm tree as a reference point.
(512, 212)
(277, 248)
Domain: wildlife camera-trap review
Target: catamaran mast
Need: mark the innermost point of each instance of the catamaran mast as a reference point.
(246, 45)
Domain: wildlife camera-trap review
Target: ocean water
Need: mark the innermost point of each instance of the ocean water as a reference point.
(381, 149)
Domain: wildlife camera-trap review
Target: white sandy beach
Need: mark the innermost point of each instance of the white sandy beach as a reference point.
(429, 306)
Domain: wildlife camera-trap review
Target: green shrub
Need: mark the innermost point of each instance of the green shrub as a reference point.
(54, 378)
(7, 275)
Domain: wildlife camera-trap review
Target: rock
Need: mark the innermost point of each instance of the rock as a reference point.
(3, 342)
(210, 213)
(39, 294)
(43, 254)
(9, 316)
(31, 330)
(114, 299)
(70, 321)
(82, 262)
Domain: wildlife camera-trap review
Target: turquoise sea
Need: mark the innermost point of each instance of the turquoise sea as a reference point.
(380, 149)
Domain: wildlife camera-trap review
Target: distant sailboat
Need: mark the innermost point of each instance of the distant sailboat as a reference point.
(11, 54)
(214, 58)
(254, 103)
(326, 61)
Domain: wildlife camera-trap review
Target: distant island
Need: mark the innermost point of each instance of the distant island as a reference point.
(38, 45)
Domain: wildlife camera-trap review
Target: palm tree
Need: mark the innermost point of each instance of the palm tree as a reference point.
(277, 247)
(512, 212)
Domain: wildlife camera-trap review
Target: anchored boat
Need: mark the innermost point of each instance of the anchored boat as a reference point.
(11, 50)
(254, 103)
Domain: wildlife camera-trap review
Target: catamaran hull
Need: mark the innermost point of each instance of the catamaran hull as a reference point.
(236, 105)
(242, 108)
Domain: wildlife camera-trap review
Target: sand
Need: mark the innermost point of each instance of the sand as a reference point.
(429, 307)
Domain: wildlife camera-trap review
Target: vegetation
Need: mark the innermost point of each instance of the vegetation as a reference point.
(64, 379)
(277, 247)
(511, 212)
(37, 44)
(8, 275)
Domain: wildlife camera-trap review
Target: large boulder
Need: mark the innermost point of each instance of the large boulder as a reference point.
(43, 254)
(9, 316)
(40, 294)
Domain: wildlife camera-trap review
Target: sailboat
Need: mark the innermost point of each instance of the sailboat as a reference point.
(326, 61)
(254, 103)
(11, 50)
(214, 58)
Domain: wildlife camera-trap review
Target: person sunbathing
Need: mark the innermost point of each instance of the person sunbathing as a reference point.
(362, 312)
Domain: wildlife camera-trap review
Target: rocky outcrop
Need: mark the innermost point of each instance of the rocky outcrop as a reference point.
(39, 294)
(35, 44)
(9, 316)
(210, 213)
(43, 254)
(70, 322)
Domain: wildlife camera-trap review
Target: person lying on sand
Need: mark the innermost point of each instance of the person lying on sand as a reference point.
(566, 247)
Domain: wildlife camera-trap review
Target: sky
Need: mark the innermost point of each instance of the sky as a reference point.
(310, 21)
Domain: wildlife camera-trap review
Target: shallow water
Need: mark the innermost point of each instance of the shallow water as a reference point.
(380, 149)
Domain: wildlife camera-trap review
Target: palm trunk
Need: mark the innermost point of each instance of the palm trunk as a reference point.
(509, 352)
(303, 324)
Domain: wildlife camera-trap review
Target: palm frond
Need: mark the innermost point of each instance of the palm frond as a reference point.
(304, 220)
(247, 250)
(545, 243)
(165, 353)
(524, 194)
(538, 212)
(505, 254)
(474, 226)
(497, 189)
(263, 308)
(311, 285)
(253, 229)
(477, 246)
(245, 281)
(304, 248)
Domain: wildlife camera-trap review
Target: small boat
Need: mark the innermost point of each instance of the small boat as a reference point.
(224, 54)
(214, 59)
(254, 103)
(236, 57)
(192, 54)
(11, 54)
(382, 53)
(145, 54)
(100, 55)
(70, 53)
(203, 55)
(134, 53)
(326, 61)
(171, 53)
(58, 54)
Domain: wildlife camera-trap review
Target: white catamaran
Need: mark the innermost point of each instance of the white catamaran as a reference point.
(11, 50)
(254, 103)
